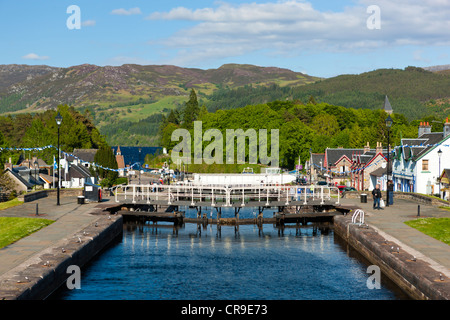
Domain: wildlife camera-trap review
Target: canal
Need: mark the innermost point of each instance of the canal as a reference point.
(158, 262)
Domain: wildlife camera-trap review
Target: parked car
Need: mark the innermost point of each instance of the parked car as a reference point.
(345, 188)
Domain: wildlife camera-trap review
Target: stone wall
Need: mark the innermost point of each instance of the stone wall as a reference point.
(415, 278)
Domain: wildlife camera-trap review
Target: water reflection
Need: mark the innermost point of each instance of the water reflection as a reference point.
(195, 261)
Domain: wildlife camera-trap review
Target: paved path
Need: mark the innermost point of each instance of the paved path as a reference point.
(69, 218)
(390, 223)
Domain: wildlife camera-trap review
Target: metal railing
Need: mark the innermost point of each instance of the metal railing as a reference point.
(226, 195)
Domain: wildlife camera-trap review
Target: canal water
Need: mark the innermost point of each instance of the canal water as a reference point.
(158, 262)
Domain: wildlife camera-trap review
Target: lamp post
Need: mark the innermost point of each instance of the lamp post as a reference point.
(140, 166)
(439, 155)
(388, 125)
(36, 165)
(58, 119)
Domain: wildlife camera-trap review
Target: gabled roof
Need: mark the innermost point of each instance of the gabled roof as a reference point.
(317, 157)
(30, 163)
(19, 178)
(77, 171)
(86, 155)
(334, 155)
(414, 149)
(29, 183)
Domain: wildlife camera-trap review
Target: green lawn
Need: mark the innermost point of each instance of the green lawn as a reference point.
(438, 228)
(11, 203)
(13, 229)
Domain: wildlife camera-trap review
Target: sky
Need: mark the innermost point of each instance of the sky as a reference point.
(317, 37)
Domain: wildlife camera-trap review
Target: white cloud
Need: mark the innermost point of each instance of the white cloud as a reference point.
(34, 56)
(88, 23)
(124, 12)
(296, 26)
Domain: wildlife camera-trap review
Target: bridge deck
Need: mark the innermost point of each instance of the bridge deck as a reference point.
(229, 196)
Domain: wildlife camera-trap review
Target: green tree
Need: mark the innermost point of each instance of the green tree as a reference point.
(325, 124)
(105, 157)
(191, 111)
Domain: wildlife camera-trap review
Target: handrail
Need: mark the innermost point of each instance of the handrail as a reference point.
(358, 213)
(227, 194)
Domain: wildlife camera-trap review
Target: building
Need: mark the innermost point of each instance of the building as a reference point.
(316, 171)
(418, 162)
(445, 184)
(81, 157)
(78, 175)
(120, 162)
(387, 106)
(361, 168)
(24, 178)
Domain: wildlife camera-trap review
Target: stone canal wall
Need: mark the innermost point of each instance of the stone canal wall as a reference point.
(413, 275)
(48, 270)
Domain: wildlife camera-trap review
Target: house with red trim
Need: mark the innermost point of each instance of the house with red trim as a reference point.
(355, 167)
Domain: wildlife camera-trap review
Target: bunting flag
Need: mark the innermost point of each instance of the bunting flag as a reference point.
(137, 163)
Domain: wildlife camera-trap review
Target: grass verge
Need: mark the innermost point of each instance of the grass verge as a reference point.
(11, 203)
(13, 229)
(438, 228)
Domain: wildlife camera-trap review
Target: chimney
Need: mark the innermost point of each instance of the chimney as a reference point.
(446, 128)
(367, 147)
(424, 127)
(379, 148)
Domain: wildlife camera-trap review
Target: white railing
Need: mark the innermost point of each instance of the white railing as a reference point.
(358, 214)
(226, 195)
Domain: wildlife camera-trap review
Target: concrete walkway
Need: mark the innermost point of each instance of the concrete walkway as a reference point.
(69, 218)
(389, 222)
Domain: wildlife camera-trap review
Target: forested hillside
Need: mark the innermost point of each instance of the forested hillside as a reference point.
(301, 126)
(413, 92)
(39, 130)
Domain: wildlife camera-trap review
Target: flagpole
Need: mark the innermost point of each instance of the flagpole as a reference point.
(53, 171)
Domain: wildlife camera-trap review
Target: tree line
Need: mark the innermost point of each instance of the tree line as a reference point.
(35, 131)
(303, 127)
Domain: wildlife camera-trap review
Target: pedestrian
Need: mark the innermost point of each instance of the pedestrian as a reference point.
(376, 193)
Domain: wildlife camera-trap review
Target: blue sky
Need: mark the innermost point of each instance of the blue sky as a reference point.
(318, 37)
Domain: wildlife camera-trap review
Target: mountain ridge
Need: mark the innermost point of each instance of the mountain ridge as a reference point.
(41, 88)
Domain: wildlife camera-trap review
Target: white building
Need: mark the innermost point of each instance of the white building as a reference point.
(244, 179)
(417, 163)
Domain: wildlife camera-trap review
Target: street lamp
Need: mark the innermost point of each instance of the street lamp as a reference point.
(389, 122)
(36, 165)
(58, 119)
(140, 166)
(439, 155)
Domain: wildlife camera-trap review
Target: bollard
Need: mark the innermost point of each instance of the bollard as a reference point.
(37, 209)
(418, 210)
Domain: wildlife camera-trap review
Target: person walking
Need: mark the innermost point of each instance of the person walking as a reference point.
(376, 193)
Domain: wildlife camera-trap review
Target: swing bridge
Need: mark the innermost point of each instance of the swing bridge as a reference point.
(162, 202)
(195, 195)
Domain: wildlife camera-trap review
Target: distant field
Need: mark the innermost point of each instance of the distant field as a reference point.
(139, 112)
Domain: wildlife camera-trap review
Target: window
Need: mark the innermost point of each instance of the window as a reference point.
(424, 165)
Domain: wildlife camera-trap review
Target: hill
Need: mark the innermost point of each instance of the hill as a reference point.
(44, 88)
(126, 102)
(414, 92)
